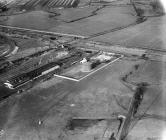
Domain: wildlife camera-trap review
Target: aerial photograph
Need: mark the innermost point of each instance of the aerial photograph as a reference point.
(82, 69)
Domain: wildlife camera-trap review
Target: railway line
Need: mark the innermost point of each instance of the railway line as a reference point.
(41, 32)
(158, 51)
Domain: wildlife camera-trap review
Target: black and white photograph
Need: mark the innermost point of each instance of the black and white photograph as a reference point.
(82, 69)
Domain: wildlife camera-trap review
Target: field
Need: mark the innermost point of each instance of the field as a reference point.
(84, 104)
(92, 97)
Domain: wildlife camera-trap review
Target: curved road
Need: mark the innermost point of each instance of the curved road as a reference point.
(6, 46)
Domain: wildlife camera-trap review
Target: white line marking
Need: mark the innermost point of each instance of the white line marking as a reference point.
(100, 68)
(68, 78)
(78, 80)
(73, 79)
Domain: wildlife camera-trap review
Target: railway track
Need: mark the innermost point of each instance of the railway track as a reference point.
(148, 49)
(153, 50)
(40, 32)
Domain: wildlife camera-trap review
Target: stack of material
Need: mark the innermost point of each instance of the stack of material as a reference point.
(86, 67)
(29, 4)
(59, 3)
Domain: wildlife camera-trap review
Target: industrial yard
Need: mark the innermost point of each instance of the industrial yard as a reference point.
(82, 70)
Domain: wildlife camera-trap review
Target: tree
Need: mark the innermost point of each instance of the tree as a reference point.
(3, 7)
(138, 11)
(157, 7)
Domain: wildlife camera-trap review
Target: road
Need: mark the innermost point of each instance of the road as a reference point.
(8, 46)
(127, 121)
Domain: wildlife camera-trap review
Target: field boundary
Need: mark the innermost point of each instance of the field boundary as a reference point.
(84, 77)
